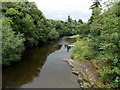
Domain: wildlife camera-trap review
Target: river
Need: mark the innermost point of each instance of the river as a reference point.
(42, 67)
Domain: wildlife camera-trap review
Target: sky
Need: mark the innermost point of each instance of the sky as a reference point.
(60, 9)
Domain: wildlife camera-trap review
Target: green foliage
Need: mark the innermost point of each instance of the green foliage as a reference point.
(24, 23)
(96, 4)
(12, 12)
(71, 27)
(103, 44)
(53, 34)
(80, 21)
(82, 51)
(26, 19)
(28, 29)
(12, 46)
(69, 19)
(104, 32)
(83, 29)
(85, 84)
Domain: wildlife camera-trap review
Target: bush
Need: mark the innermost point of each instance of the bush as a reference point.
(53, 34)
(82, 51)
(12, 45)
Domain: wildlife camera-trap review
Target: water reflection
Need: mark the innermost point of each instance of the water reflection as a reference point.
(29, 67)
(40, 64)
(68, 48)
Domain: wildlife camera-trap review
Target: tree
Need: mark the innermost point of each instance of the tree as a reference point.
(102, 44)
(96, 4)
(27, 20)
(105, 41)
(69, 19)
(29, 29)
(80, 21)
(12, 45)
(53, 34)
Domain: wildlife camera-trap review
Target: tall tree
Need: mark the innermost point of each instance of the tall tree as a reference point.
(80, 21)
(69, 19)
(96, 3)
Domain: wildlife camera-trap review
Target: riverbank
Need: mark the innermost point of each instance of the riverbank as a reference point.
(86, 72)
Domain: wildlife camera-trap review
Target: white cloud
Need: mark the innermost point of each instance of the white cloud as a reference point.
(60, 9)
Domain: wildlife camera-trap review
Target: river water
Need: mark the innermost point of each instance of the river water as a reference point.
(42, 67)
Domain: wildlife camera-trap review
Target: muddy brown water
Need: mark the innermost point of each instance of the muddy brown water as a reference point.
(42, 67)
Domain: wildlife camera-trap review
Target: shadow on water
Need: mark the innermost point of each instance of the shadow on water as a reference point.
(29, 67)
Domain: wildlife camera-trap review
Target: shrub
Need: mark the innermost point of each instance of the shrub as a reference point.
(12, 45)
(82, 51)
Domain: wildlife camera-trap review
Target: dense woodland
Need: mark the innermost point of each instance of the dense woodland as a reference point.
(24, 26)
